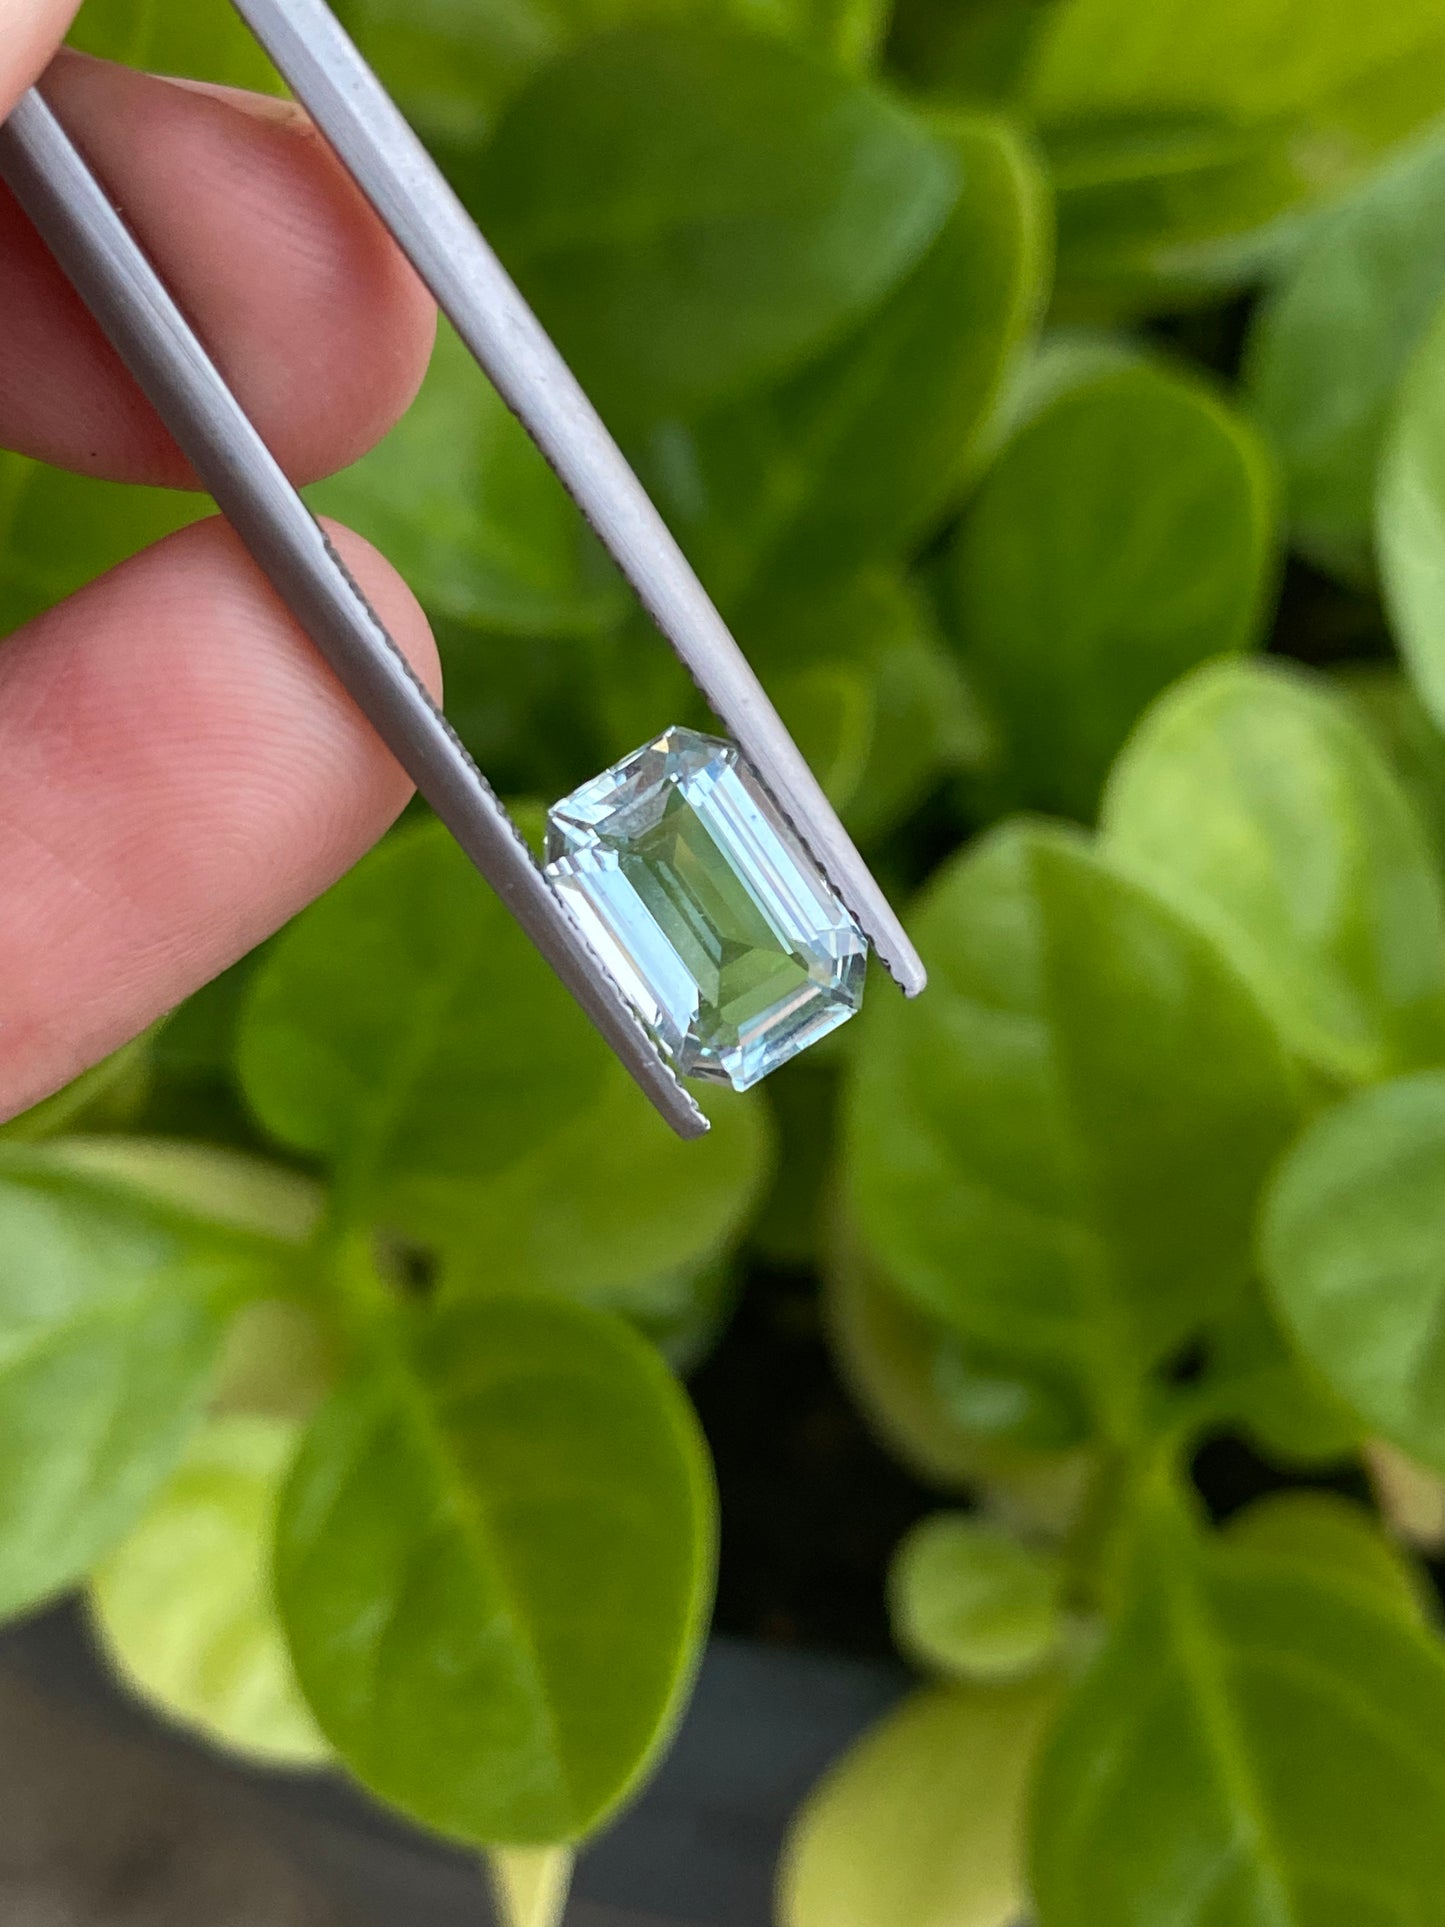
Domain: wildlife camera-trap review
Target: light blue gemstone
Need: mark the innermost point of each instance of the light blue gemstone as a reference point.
(714, 920)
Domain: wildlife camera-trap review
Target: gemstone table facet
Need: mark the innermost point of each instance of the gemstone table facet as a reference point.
(710, 914)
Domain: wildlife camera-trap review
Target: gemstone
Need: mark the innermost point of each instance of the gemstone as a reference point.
(712, 917)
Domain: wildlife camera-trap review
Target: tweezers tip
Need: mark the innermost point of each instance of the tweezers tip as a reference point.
(903, 964)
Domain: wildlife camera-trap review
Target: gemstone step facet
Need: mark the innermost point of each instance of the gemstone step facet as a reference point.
(711, 916)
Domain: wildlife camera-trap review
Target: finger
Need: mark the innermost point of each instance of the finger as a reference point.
(301, 296)
(179, 773)
(30, 31)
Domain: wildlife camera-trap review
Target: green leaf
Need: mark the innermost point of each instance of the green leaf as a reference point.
(1185, 139)
(59, 531)
(199, 43)
(463, 503)
(695, 213)
(1351, 1235)
(614, 1211)
(1338, 1539)
(228, 1189)
(1330, 345)
(1254, 1744)
(454, 64)
(113, 1304)
(1252, 798)
(1247, 60)
(105, 1097)
(404, 1031)
(922, 1823)
(1125, 533)
(971, 1601)
(1411, 520)
(482, 1473)
(183, 1605)
(955, 1418)
(1057, 1151)
(859, 455)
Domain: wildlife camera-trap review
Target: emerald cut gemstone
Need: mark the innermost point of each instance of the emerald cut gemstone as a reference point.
(713, 919)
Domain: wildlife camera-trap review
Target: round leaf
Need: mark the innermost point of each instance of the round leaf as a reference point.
(1185, 138)
(693, 213)
(1057, 1151)
(1125, 533)
(1330, 345)
(973, 1602)
(405, 1031)
(494, 1568)
(1337, 1538)
(955, 1420)
(106, 1097)
(861, 453)
(921, 1824)
(1254, 1743)
(1351, 1237)
(183, 1604)
(888, 1352)
(615, 1210)
(112, 1310)
(1254, 800)
(1243, 59)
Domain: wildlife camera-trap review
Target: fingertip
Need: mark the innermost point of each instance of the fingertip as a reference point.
(180, 772)
(296, 289)
(29, 30)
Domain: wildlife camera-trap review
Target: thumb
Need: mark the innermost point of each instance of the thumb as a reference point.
(30, 31)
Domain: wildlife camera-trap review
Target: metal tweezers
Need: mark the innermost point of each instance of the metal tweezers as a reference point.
(92, 243)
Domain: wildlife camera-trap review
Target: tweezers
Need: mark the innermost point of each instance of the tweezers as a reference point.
(89, 238)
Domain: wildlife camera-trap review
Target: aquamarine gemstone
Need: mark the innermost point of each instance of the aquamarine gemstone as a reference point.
(713, 919)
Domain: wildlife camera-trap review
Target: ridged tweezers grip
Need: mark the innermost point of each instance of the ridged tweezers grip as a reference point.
(392, 168)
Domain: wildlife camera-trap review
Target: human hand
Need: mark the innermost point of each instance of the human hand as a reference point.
(179, 772)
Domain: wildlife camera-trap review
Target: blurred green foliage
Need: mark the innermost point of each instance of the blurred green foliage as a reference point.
(992, 358)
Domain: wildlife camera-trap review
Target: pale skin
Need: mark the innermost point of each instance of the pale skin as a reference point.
(179, 773)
